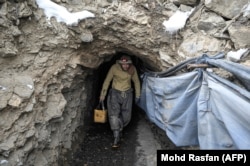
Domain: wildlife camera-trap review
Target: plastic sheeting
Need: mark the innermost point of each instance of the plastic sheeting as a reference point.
(199, 108)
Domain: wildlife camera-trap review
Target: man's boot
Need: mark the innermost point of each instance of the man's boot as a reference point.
(116, 139)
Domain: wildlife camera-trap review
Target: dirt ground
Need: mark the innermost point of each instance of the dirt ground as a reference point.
(139, 145)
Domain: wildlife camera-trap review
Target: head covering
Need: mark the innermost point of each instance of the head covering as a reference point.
(125, 60)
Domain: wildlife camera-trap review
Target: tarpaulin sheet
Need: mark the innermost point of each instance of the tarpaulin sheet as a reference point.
(199, 108)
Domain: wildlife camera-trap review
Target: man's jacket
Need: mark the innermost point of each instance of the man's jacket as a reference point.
(121, 80)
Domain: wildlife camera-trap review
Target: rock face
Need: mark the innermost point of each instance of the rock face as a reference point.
(47, 68)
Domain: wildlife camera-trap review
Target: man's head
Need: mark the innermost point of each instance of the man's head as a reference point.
(125, 62)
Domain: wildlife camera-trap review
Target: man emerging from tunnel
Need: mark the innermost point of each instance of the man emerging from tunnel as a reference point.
(120, 97)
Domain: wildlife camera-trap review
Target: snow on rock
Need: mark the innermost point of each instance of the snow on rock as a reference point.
(177, 21)
(61, 14)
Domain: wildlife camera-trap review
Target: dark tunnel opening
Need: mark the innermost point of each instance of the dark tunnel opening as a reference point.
(97, 78)
(94, 140)
(94, 145)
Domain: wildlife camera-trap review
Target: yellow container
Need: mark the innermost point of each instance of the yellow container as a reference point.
(100, 116)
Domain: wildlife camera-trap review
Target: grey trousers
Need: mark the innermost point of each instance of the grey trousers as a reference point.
(119, 108)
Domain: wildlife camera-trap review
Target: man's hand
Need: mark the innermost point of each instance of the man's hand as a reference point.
(137, 100)
(102, 98)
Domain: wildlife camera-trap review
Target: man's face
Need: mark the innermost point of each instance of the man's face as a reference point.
(125, 67)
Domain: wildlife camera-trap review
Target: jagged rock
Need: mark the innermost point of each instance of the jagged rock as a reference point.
(15, 31)
(48, 69)
(210, 22)
(55, 107)
(8, 50)
(21, 86)
(24, 10)
(86, 37)
(239, 35)
(194, 44)
(185, 2)
(6, 90)
(15, 101)
(24, 86)
(228, 9)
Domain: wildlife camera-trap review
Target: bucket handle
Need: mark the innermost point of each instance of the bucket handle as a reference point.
(101, 105)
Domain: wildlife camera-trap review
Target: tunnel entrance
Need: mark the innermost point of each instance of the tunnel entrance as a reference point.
(101, 73)
(92, 145)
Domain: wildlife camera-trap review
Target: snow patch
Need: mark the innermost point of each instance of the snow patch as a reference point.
(236, 55)
(30, 86)
(3, 161)
(177, 21)
(2, 88)
(61, 14)
(246, 12)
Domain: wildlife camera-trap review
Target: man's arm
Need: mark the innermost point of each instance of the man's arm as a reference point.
(106, 83)
(137, 84)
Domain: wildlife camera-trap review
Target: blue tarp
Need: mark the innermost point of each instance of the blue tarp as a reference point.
(199, 108)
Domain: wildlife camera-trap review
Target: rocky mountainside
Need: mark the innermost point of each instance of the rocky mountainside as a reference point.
(49, 70)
